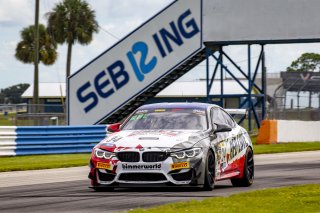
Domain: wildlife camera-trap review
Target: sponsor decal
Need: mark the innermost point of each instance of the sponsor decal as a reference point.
(199, 112)
(182, 165)
(141, 112)
(237, 145)
(138, 117)
(159, 110)
(155, 166)
(101, 165)
(113, 139)
(108, 144)
(155, 133)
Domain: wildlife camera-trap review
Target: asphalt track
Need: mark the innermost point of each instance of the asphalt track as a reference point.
(66, 190)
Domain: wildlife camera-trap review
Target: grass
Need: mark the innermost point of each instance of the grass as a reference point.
(19, 163)
(283, 147)
(286, 147)
(7, 120)
(304, 198)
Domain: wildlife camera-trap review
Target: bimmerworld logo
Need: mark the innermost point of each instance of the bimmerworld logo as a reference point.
(156, 166)
(139, 60)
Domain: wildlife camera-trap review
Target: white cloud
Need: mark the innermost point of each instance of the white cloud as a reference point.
(15, 12)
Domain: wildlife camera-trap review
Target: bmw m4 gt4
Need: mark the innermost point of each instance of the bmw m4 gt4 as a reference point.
(173, 144)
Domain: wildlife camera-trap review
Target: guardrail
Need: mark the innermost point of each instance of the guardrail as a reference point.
(49, 139)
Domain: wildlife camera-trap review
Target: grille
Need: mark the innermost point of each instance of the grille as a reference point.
(154, 156)
(185, 176)
(128, 156)
(142, 177)
(105, 176)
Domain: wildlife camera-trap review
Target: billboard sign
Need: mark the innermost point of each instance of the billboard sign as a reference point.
(136, 62)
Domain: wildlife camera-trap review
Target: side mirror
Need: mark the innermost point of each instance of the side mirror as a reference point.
(114, 127)
(222, 128)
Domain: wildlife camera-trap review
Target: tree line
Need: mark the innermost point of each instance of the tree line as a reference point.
(12, 94)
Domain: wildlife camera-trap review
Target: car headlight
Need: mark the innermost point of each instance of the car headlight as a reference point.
(99, 153)
(189, 153)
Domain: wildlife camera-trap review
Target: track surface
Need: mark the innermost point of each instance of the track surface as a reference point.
(62, 191)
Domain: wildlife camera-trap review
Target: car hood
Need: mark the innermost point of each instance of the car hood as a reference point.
(137, 139)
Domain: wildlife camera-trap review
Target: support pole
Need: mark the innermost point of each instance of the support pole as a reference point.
(36, 62)
(263, 84)
(221, 78)
(249, 89)
(208, 53)
(310, 99)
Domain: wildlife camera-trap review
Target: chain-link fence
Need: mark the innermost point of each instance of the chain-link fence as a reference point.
(288, 104)
(32, 115)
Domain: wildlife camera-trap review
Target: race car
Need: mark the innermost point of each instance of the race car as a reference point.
(173, 144)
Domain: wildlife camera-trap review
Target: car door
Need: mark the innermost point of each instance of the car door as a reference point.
(225, 145)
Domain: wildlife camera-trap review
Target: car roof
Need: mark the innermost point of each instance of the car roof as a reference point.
(193, 105)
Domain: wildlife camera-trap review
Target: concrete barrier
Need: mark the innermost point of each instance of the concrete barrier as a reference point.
(49, 139)
(284, 131)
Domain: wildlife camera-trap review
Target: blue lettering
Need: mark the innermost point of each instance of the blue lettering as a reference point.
(175, 37)
(159, 45)
(102, 85)
(135, 67)
(144, 67)
(84, 98)
(120, 73)
(187, 28)
(189, 24)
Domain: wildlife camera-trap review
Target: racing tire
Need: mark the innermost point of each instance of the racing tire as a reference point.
(209, 178)
(248, 171)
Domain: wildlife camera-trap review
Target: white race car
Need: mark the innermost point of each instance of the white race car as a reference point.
(173, 144)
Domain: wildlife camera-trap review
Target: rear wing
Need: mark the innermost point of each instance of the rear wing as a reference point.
(236, 111)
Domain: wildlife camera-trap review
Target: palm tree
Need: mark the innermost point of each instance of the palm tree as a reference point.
(25, 50)
(26, 53)
(72, 21)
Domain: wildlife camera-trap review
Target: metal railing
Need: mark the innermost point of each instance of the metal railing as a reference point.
(32, 115)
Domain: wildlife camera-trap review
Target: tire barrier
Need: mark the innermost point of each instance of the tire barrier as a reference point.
(284, 131)
(49, 139)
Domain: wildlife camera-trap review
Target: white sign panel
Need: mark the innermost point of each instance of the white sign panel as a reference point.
(270, 21)
(135, 63)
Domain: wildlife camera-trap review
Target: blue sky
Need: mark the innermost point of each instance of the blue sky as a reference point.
(117, 19)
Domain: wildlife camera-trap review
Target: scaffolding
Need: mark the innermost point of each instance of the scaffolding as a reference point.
(255, 95)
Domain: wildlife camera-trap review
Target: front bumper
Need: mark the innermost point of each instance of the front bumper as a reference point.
(171, 171)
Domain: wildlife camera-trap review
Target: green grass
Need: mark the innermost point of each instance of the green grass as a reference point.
(18, 163)
(303, 198)
(286, 147)
(8, 120)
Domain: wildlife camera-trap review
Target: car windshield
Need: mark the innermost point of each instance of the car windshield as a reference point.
(167, 118)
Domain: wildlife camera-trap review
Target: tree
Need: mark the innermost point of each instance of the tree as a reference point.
(33, 38)
(12, 95)
(72, 21)
(25, 50)
(307, 62)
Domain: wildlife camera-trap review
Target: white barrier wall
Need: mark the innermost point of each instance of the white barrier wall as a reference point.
(34, 140)
(298, 131)
(8, 143)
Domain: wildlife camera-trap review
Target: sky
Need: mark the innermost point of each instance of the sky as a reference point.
(116, 21)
